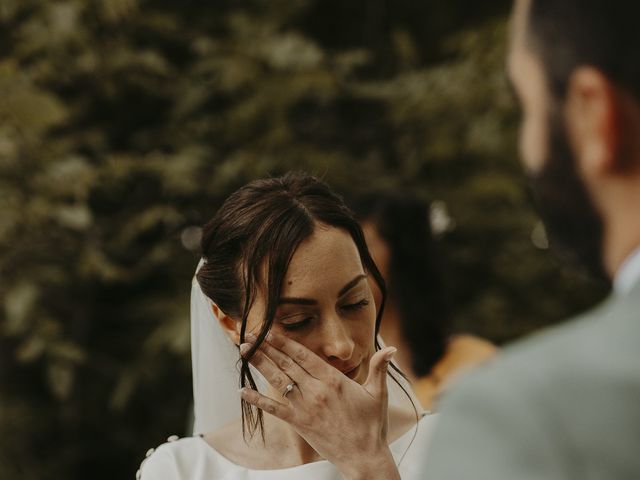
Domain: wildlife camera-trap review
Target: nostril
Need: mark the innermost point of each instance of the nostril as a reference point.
(340, 350)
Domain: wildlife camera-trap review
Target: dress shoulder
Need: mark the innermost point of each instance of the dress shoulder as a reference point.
(191, 458)
(160, 462)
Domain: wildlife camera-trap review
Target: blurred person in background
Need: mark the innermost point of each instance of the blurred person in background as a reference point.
(397, 227)
(565, 404)
(284, 285)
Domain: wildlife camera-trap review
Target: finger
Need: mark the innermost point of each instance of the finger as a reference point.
(276, 378)
(301, 355)
(286, 364)
(265, 404)
(376, 383)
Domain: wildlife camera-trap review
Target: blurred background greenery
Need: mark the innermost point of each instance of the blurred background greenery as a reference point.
(124, 123)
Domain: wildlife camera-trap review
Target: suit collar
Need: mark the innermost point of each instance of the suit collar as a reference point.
(628, 275)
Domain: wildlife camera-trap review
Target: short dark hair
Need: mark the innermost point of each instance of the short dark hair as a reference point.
(261, 225)
(605, 34)
(415, 278)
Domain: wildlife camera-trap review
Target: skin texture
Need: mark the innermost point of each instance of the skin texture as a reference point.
(330, 354)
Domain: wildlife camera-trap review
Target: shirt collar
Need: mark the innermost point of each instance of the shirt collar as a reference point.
(628, 274)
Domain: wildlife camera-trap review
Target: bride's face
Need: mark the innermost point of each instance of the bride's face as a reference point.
(326, 303)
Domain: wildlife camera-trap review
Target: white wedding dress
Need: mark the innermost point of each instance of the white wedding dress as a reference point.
(217, 402)
(192, 458)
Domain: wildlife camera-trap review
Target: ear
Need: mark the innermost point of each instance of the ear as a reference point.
(228, 324)
(593, 119)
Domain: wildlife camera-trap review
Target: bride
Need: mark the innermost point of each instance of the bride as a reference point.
(287, 290)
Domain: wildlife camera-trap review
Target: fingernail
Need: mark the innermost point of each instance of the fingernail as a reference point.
(390, 354)
(244, 348)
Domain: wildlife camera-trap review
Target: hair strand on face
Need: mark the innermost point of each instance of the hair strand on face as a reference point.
(249, 244)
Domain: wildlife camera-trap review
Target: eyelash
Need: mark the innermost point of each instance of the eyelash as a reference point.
(352, 307)
(290, 327)
(355, 306)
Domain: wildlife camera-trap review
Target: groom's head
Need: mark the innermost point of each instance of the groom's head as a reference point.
(576, 73)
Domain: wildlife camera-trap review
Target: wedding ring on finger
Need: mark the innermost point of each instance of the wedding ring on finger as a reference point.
(288, 388)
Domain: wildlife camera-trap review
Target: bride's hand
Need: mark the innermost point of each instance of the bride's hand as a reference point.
(343, 421)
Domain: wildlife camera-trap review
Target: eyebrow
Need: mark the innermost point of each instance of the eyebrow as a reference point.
(297, 301)
(351, 284)
(309, 301)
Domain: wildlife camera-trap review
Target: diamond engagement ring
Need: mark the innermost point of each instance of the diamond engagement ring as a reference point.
(288, 389)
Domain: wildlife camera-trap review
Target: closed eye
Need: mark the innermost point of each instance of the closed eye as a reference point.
(355, 306)
(290, 327)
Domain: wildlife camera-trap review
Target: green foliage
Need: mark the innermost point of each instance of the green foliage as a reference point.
(124, 123)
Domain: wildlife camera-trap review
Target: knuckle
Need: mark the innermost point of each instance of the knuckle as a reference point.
(334, 384)
(321, 398)
(250, 397)
(262, 404)
(284, 364)
(301, 355)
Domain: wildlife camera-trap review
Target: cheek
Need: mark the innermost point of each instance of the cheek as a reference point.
(252, 325)
(363, 332)
(372, 312)
(254, 320)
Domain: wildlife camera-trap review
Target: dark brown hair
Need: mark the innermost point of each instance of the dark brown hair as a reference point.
(249, 244)
(603, 34)
(415, 277)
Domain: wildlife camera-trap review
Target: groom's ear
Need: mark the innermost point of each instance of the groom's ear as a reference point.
(229, 326)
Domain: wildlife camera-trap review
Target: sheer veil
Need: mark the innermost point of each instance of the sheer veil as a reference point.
(216, 375)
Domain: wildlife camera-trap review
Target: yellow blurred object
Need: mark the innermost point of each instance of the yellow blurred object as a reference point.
(464, 352)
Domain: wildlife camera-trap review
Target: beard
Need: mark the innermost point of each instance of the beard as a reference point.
(574, 226)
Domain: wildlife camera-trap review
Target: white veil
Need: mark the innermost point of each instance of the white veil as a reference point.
(214, 360)
(216, 374)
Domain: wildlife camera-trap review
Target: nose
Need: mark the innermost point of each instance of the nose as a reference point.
(337, 342)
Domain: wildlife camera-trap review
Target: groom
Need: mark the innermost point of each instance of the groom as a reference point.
(565, 404)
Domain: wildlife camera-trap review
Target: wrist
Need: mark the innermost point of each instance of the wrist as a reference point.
(374, 466)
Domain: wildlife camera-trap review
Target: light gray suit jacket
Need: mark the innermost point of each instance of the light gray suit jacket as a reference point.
(564, 404)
